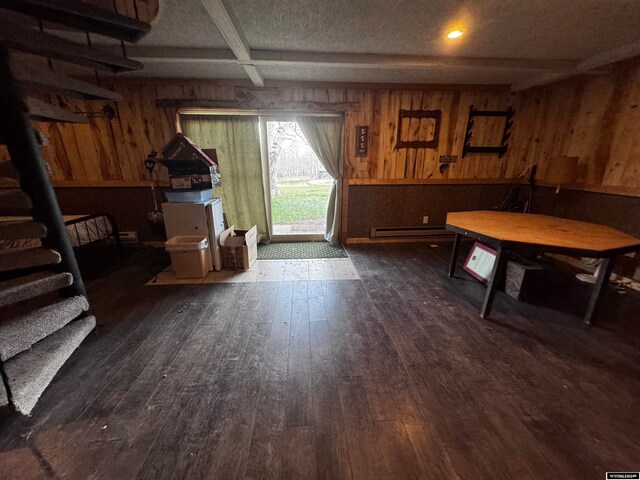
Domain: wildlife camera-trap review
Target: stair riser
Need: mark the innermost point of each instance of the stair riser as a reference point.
(22, 292)
(14, 202)
(17, 260)
(4, 400)
(19, 334)
(22, 230)
(8, 170)
(31, 372)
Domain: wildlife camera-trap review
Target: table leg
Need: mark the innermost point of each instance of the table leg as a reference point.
(604, 272)
(454, 255)
(496, 274)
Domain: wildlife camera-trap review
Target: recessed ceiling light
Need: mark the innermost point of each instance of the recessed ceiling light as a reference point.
(455, 34)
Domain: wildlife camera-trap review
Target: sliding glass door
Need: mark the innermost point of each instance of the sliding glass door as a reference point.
(299, 185)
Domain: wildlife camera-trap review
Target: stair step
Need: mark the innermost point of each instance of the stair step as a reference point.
(19, 229)
(4, 400)
(8, 182)
(18, 258)
(31, 286)
(7, 169)
(19, 330)
(30, 372)
(14, 201)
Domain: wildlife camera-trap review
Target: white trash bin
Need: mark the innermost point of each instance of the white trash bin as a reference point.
(188, 256)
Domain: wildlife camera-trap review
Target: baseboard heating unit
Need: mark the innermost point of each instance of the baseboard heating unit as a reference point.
(409, 232)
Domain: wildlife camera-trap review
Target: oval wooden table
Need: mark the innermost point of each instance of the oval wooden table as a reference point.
(529, 233)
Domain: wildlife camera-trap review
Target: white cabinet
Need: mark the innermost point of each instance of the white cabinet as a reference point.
(202, 218)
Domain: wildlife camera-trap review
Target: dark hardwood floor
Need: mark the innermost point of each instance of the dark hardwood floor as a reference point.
(394, 376)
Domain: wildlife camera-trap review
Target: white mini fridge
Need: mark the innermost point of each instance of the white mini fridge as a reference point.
(201, 218)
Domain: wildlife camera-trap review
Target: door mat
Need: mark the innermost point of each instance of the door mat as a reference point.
(300, 250)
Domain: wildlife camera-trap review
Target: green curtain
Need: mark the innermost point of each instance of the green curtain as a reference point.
(236, 139)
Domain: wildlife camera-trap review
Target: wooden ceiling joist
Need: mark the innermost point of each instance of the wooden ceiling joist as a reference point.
(43, 44)
(223, 17)
(380, 61)
(592, 65)
(48, 81)
(83, 16)
(342, 60)
(45, 112)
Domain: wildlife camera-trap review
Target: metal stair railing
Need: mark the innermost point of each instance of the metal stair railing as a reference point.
(17, 133)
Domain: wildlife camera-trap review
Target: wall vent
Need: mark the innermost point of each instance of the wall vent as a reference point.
(408, 232)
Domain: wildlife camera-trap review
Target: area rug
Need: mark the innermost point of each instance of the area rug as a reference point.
(299, 250)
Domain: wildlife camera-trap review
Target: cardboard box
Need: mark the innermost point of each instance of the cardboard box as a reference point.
(239, 248)
(524, 280)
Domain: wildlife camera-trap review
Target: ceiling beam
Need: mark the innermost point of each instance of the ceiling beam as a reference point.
(587, 65)
(542, 79)
(227, 24)
(340, 60)
(223, 17)
(379, 61)
(623, 52)
(254, 74)
(178, 55)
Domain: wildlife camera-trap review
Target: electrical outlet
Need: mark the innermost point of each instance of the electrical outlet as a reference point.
(425, 219)
(129, 237)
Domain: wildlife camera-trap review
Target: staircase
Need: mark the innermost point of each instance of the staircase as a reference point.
(44, 310)
(43, 306)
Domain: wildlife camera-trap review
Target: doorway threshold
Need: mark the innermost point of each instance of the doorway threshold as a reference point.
(298, 237)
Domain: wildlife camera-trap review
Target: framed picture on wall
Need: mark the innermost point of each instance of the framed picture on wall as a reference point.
(480, 262)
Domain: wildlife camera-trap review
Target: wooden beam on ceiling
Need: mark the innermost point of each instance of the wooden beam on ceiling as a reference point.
(227, 24)
(77, 14)
(591, 65)
(343, 60)
(607, 57)
(178, 54)
(254, 74)
(223, 17)
(379, 61)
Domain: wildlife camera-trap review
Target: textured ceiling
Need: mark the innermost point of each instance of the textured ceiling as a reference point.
(566, 29)
(523, 29)
(183, 23)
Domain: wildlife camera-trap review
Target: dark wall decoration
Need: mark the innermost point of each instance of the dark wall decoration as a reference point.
(499, 149)
(418, 142)
(362, 140)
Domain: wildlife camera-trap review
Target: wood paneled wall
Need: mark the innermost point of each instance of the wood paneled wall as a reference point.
(596, 119)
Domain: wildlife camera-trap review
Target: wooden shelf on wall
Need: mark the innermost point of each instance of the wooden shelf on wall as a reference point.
(45, 112)
(26, 39)
(48, 81)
